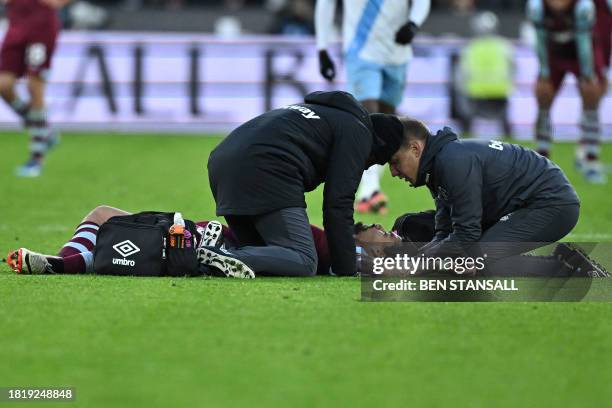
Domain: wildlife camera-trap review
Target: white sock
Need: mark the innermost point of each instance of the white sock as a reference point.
(88, 258)
(591, 134)
(370, 182)
(543, 130)
(19, 106)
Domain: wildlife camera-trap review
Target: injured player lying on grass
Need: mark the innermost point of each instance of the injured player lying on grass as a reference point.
(76, 256)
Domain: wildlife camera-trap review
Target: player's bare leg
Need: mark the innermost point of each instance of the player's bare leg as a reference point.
(8, 94)
(587, 153)
(369, 196)
(102, 213)
(76, 256)
(545, 93)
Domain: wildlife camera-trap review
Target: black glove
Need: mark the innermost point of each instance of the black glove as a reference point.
(326, 66)
(406, 33)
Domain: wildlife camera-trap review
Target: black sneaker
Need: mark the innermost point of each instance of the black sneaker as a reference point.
(582, 264)
(223, 260)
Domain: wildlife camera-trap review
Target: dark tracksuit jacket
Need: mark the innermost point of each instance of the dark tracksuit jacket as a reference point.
(475, 183)
(269, 162)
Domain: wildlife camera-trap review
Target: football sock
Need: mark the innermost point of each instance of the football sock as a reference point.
(79, 263)
(543, 132)
(590, 134)
(72, 264)
(83, 240)
(57, 264)
(20, 107)
(370, 182)
(36, 121)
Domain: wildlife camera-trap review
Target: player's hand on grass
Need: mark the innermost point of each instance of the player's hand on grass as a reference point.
(326, 66)
(406, 33)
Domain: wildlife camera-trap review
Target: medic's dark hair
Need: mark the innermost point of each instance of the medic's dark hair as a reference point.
(360, 227)
(413, 130)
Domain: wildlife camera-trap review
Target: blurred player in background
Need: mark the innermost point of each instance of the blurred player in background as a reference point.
(483, 77)
(27, 50)
(376, 44)
(573, 37)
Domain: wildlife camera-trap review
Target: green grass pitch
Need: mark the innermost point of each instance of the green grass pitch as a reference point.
(268, 342)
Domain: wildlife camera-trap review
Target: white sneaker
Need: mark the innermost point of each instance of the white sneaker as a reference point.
(224, 261)
(212, 235)
(579, 157)
(32, 168)
(592, 171)
(24, 261)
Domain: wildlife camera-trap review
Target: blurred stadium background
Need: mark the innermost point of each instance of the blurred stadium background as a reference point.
(207, 66)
